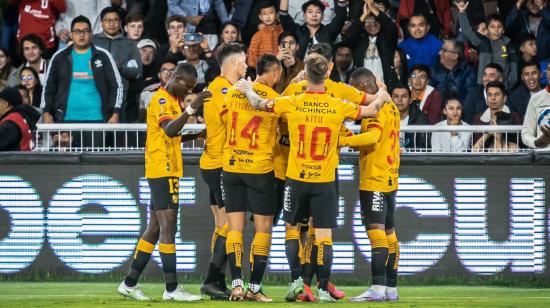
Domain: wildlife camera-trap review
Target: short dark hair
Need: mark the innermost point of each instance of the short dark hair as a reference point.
(494, 17)
(451, 97)
(265, 63)
(177, 18)
(33, 38)
(497, 84)
(417, 15)
(186, 68)
(134, 17)
(386, 3)
(167, 61)
(494, 66)
(526, 37)
(110, 9)
(341, 44)
(316, 67)
(230, 23)
(264, 4)
(323, 49)
(361, 72)
(401, 86)
(81, 18)
(423, 68)
(227, 49)
(532, 62)
(316, 3)
(284, 35)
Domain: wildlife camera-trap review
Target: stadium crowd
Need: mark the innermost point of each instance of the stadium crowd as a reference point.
(445, 62)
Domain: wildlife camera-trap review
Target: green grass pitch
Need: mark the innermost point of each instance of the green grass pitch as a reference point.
(59, 295)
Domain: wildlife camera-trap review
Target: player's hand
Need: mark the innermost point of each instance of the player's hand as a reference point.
(244, 85)
(381, 85)
(299, 77)
(545, 130)
(199, 99)
(461, 6)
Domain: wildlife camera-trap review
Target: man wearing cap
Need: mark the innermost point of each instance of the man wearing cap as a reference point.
(123, 50)
(17, 121)
(147, 50)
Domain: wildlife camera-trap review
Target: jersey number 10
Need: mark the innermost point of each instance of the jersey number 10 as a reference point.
(314, 141)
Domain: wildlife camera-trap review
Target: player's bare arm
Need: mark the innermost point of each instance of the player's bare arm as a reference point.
(173, 127)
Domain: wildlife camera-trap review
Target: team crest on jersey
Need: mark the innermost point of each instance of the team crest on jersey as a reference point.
(162, 101)
(224, 90)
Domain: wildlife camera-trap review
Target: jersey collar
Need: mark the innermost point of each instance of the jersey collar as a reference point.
(315, 92)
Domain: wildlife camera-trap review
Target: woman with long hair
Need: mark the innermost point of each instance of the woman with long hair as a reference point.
(5, 64)
(29, 78)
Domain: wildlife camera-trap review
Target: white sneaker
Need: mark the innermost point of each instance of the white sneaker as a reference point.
(134, 292)
(369, 296)
(180, 295)
(391, 294)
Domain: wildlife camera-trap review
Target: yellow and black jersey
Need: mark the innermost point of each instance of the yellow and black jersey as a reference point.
(335, 89)
(250, 133)
(162, 153)
(214, 111)
(379, 162)
(315, 121)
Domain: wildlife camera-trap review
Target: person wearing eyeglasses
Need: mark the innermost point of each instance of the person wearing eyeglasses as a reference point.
(426, 98)
(453, 74)
(82, 83)
(29, 78)
(164, 74)
(123, 50)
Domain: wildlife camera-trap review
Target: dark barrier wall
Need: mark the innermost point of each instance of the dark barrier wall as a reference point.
(471, 215)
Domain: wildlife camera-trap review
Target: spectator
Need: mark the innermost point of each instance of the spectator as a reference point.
(5, 64)
(535, 132)
(527, 49)
(206, 67)
(265, 40)
(374, 39)
(200, 16)
(38, 17)
(437, 11)
(498, 142)
(17, 121)
(164, 74)
(147, 49)
(400, 66)
(229, 33)
(453, 74)
(410, 115)
(292, 65)
(422, 47)
(25, 95)
(176, 26)
(532, 18)
(83, 83)
(424, 96)
(134, 27)
(313, 31)
(295, 11)
(519, 98)
(496, 97)
(495, 47)
(88, 8)
(451, 141)
(343, 63)
(29, 79)
(476, 100)
(123, 50)
(32, 49)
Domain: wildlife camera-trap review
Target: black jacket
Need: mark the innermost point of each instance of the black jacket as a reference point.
(386, 43)
(417, 117)
(519, 99)
(58, 82)
(10, 133)
(325, 34)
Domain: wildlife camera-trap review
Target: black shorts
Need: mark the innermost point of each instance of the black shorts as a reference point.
(378, 207)
(212, 178)
(318, 200)
(164, 193)
(249, 192)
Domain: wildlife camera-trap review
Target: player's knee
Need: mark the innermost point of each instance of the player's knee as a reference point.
(263, 223)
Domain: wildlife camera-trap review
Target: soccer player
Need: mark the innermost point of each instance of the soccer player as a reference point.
(248, 180)
(379, 164)
(314, 121)
(232, 61)
(163, 168)
(303, 267)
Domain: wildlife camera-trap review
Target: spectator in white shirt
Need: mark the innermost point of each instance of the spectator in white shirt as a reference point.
(451, 141)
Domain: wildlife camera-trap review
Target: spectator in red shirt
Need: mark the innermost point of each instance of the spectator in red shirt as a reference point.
(39, 16)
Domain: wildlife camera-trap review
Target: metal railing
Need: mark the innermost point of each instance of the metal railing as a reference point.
(413, 139)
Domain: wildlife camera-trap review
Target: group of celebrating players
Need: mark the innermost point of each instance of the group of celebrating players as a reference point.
(268, 153)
